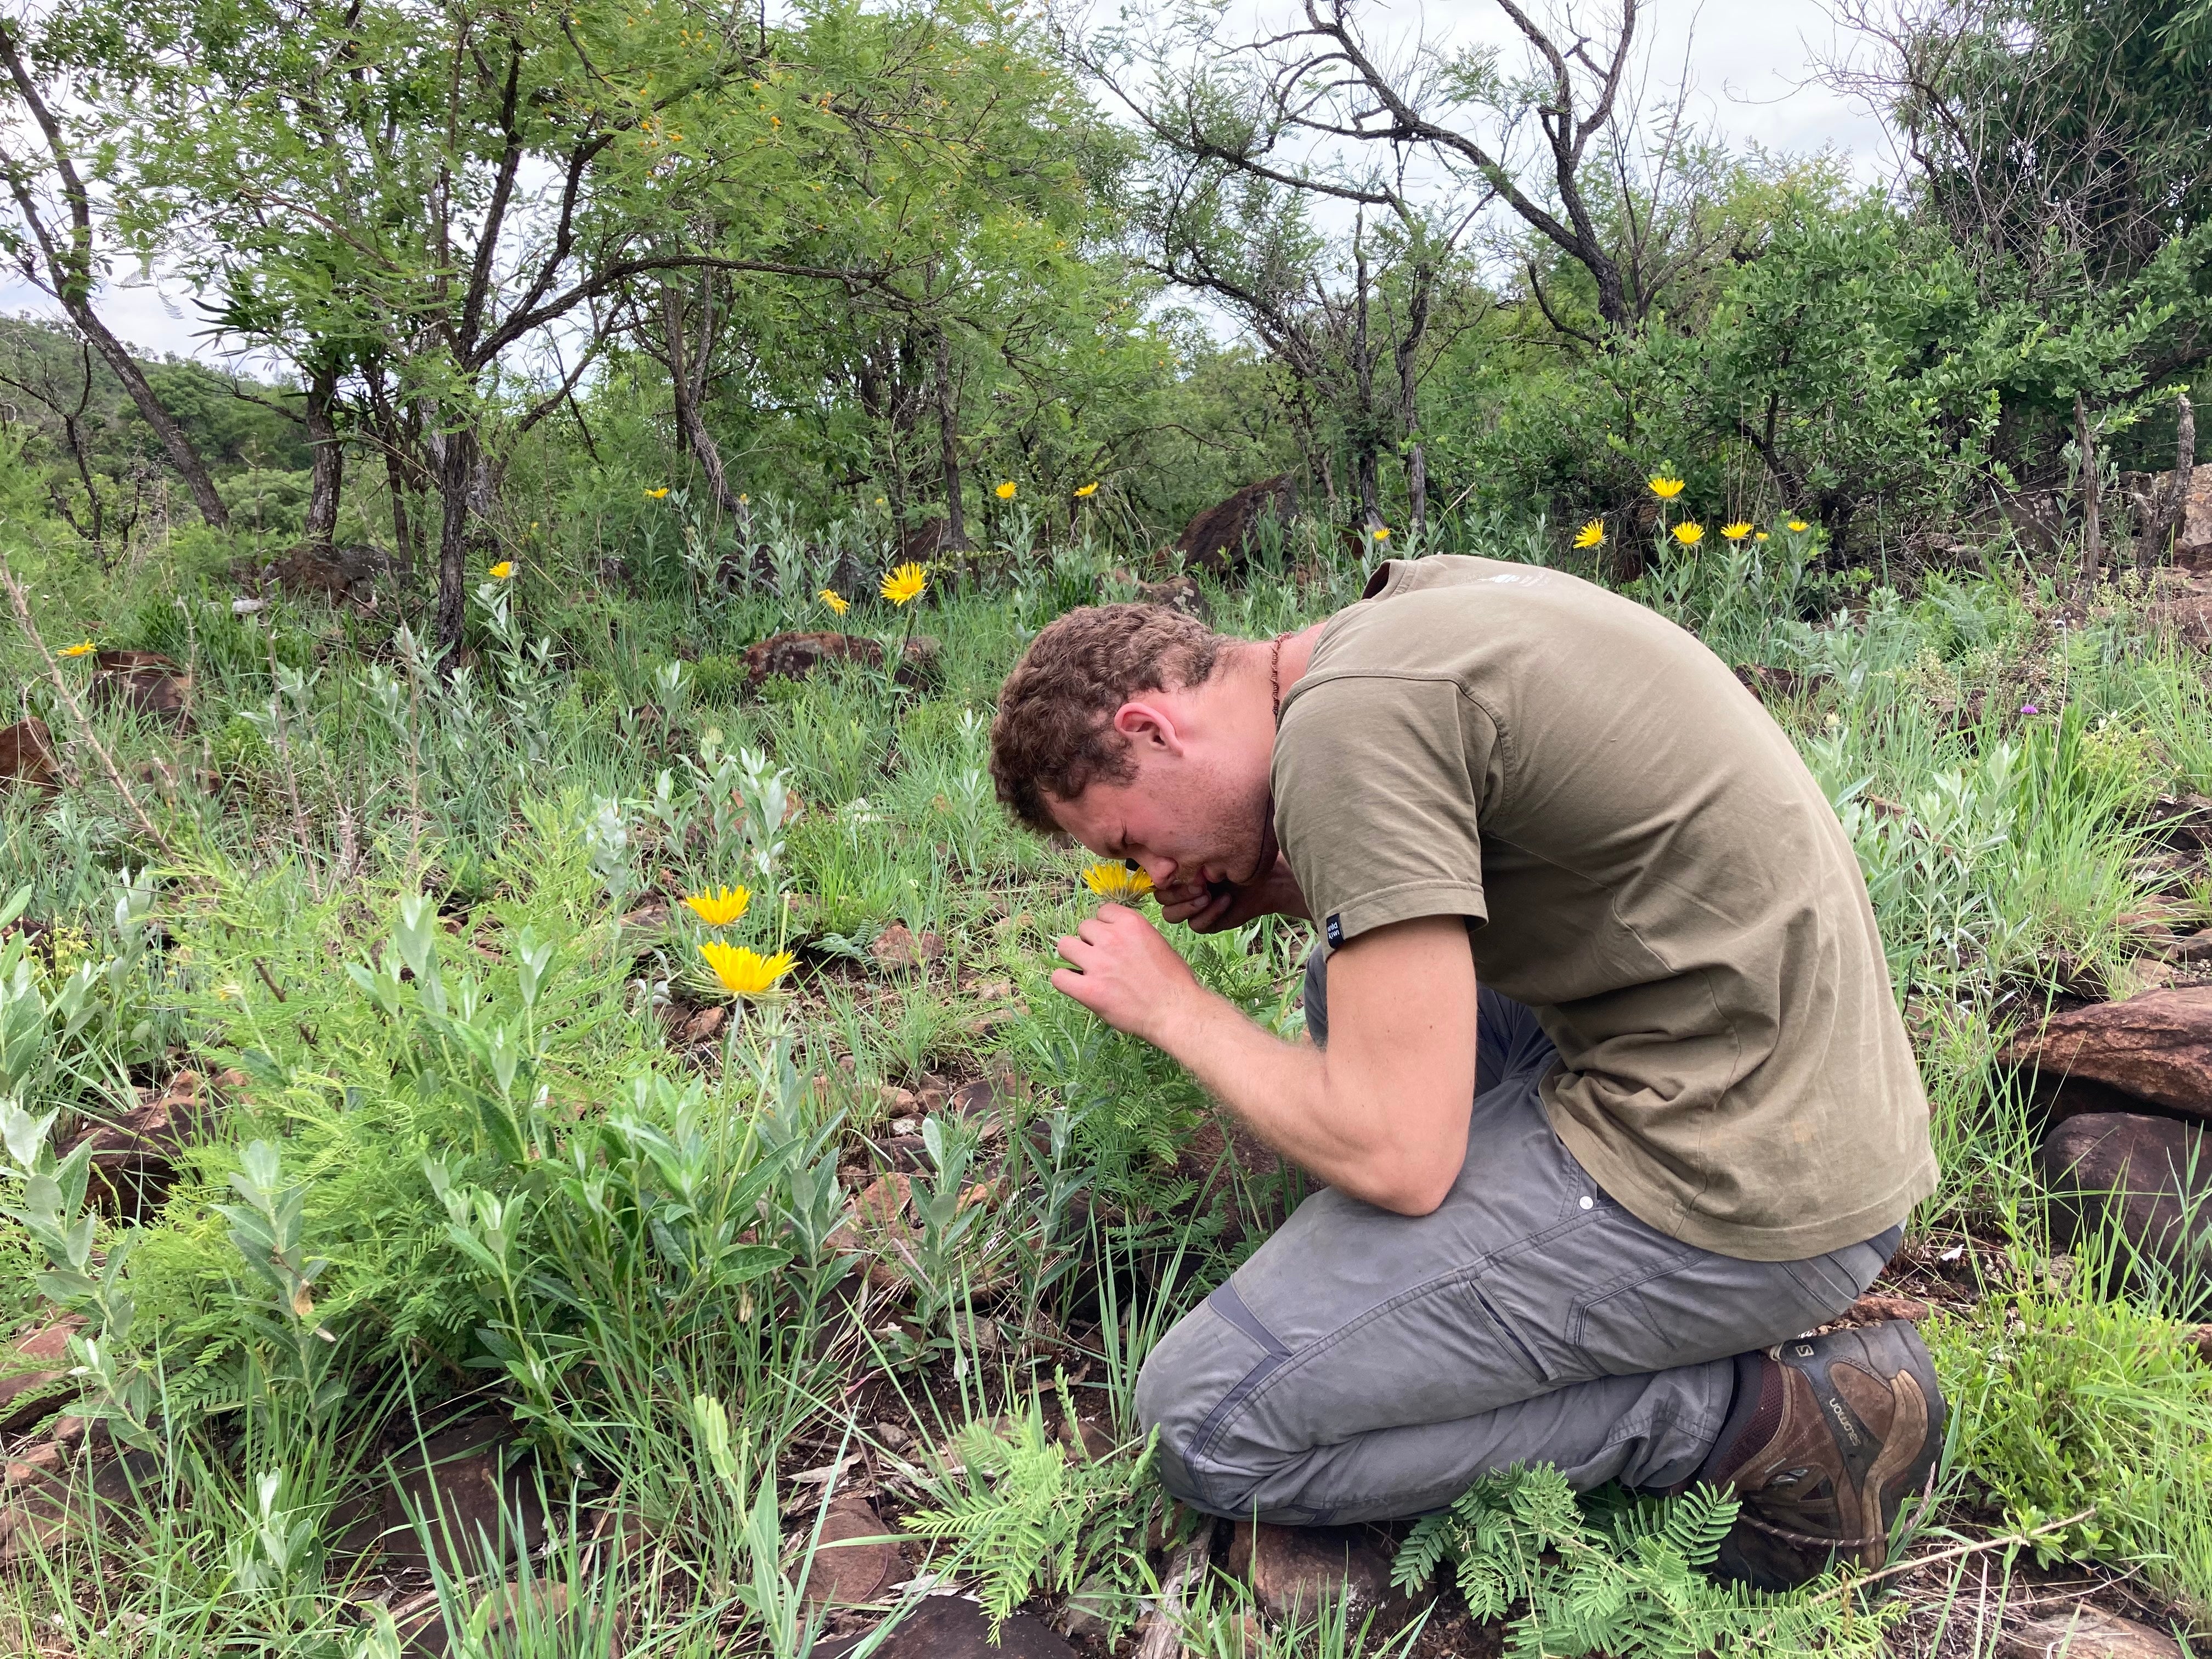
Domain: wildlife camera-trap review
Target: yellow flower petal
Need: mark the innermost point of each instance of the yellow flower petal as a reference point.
(83, 650)
(1736, 532)
(1591, 534)
(745, 973)
(1664, 488)
(1689, 534)
(1799, 525)
(1090, 489)
(1006, 491)
(502, 570)
(904, 583)
(1117, 883)
(836, 601)
(1381, 532)
(720, 909)
(657, 494)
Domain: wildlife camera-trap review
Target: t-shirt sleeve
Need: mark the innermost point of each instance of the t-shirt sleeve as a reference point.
(1378, 783)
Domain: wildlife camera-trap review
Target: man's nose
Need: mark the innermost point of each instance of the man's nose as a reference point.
(1160, 870)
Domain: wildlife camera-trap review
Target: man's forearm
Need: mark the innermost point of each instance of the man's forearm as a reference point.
(1284, 1090)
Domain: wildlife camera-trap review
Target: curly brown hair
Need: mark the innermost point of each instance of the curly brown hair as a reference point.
(1054, 733)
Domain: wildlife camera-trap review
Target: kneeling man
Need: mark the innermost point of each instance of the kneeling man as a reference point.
(1605, 1080)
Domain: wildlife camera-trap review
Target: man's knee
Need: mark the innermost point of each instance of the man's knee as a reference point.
(1181, 1390)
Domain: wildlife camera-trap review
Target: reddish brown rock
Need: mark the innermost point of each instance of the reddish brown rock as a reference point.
(144, 681)
(471, 1490)
(953, 1627)
(26, 755)
(38, 1360)
(135, 1158)
(1292, 1568)
(54, 1492)
(2083, 1632)
(1221, 538)
(898, 949)
(2155, 1047)
(2150, 1177)
(1874, 1309)
(855, 1562)
(794, 656)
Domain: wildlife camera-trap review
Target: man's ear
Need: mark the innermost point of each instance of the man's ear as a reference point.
(1149, 725)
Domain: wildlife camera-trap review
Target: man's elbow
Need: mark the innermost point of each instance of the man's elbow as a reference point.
(1411, 1190)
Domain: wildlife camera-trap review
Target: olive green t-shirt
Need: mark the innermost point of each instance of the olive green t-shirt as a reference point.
(1643, 859)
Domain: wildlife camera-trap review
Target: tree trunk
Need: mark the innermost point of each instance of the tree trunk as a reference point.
(2093, 544)
(459, 490)
(326, 462)
(70, 270)
(1417, 489)
(2176, 515)
(948, 443)
(689, 421)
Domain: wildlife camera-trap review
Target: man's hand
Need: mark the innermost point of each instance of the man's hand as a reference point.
(1125, 973)
(1211, 909)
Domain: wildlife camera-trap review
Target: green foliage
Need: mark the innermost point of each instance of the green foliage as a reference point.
(1026, 1514)
(2063, 1402)
(1627, 1583)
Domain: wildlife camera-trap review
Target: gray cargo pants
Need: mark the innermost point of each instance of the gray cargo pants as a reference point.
(1364, 1364)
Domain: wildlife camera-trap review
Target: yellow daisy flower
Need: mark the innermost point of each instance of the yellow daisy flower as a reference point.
(720, 909)
(1117, 883)
(83, 650)
(1799, 525)
(1665, 489)
(1006, 490)
(657, 494)
(836, 601)
(1689, 534)
(502, 570)
(904, 583)
(1381, 532)
(1591, 534)
(1089, 489)
(745, 973)
(1736, 532)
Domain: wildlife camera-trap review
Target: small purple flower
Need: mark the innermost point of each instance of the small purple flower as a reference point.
(2027, 708)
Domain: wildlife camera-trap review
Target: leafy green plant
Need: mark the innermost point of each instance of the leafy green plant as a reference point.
(1024, 1514)
(1628, 1581)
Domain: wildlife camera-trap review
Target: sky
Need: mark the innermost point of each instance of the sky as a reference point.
(1752, 66)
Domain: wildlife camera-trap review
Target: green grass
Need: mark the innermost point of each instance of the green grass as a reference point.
(464, 1159)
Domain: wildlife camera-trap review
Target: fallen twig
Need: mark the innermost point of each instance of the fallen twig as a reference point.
(1159, 1635)
(2010, 1540)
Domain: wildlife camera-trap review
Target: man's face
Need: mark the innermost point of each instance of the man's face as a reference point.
(1194, 815)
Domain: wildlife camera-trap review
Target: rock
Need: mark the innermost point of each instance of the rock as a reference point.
(536, 1613)
(38, 1360)
(875, 1225)
(1087, 1437)
(471, 1489)
(852, 1574)
(899, 950)
(26, 755)
(46, 1497)
(918, 543)
(2037, 517)
(1179, 592)
(705, 1025)
(2189, 951)
(345, 572)
(794, 656)
(1290, 1568)
(134, 1159)
(2149, 1176)
(143, 681)
(1221, 538)
(1872, 1309)
(2150, 496)
(954, 1627)
(2155, 1047)
(1768, 684)
(2085, 1632)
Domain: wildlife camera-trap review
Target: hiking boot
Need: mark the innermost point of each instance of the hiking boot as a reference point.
(1828, 1437)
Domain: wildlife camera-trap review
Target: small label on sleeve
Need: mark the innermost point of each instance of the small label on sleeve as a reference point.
(1335, 930)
